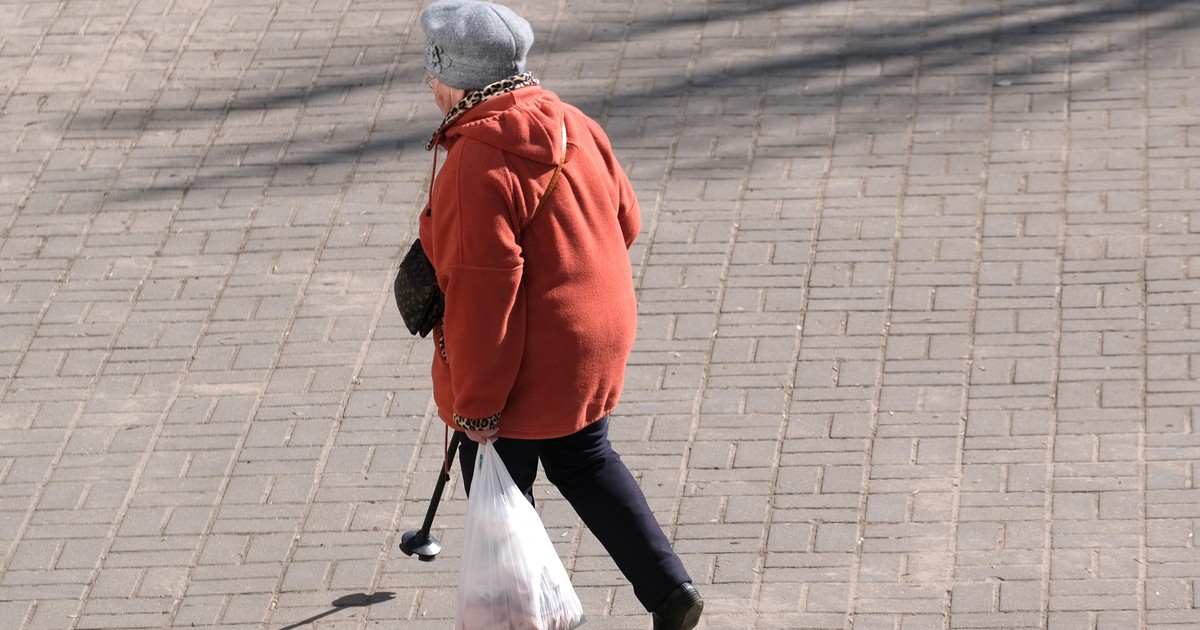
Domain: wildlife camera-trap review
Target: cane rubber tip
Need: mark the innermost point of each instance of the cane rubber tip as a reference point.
(425, 546)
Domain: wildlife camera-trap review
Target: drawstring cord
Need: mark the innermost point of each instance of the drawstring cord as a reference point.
(432, 174)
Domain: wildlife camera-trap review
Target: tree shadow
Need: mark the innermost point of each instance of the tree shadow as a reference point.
(690, 15)
(945, 42)
(941, 42)
(357, 600)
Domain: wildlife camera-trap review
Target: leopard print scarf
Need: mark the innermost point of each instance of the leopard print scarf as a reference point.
(503, 86)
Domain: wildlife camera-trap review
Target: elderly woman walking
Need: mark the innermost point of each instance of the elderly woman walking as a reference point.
(528, 228)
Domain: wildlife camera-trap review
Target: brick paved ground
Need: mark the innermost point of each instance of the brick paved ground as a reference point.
(920, 310)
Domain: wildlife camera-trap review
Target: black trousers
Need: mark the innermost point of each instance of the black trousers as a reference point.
(593, 479)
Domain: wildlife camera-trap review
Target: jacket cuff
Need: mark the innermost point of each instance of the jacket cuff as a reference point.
(477, 424)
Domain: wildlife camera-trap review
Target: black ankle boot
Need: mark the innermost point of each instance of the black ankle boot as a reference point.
(680, 611)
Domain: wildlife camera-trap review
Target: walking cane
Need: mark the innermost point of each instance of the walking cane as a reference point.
(421, 542)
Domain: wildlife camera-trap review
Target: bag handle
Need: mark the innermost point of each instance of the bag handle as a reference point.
(553, 179)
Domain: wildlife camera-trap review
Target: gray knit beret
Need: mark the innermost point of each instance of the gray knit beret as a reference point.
(473, 43)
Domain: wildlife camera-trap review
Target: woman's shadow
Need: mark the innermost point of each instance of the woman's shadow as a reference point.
(356, 600)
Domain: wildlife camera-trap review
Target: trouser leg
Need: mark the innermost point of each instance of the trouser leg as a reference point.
(591, 476)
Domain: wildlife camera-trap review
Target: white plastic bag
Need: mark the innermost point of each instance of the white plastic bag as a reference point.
(511, 576)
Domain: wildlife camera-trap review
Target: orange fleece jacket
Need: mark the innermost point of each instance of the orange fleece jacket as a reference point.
(540, 317)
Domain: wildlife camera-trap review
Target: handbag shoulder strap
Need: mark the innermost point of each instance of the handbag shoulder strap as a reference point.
(562, 158)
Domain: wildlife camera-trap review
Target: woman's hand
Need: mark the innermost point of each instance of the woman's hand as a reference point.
(482, 436)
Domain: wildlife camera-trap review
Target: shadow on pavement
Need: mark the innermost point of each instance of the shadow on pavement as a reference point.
(357, 600)
(943, 42)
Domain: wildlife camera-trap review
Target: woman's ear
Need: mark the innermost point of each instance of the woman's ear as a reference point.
(446, 97)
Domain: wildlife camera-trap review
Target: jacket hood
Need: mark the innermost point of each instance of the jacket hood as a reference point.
(527, 123)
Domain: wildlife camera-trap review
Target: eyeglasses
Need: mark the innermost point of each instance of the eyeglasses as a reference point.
(429, 80)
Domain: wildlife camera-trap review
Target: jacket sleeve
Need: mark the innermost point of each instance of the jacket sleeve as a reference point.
(628, 212)
(479, 267)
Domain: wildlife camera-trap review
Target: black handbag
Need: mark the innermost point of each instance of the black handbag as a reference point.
(418, 295)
